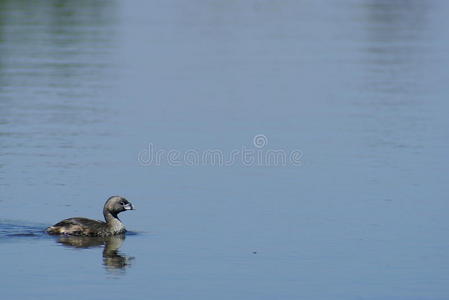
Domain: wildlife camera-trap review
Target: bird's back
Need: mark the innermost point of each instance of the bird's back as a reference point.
(79, 226)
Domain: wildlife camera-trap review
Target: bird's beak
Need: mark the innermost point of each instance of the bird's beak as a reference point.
(128, 206)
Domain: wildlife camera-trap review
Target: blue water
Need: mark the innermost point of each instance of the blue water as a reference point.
(224, 92)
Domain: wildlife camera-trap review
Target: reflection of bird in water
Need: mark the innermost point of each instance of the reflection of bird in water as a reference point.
(112, 258)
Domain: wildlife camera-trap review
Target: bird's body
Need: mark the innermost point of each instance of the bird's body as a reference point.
(88, 227)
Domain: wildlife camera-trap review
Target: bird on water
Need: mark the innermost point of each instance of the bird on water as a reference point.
(88, 227)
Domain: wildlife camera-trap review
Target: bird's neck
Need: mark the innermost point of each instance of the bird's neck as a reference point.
(109, 217)
(113, 222)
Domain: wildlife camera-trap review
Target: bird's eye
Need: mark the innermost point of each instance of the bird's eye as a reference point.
(122, 203)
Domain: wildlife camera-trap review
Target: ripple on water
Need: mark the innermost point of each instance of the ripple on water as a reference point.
(11, 229)
(17, 229)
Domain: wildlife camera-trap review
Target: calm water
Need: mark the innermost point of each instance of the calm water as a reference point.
(91, 91)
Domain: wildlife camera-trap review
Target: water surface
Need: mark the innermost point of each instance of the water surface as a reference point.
(357, 87)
